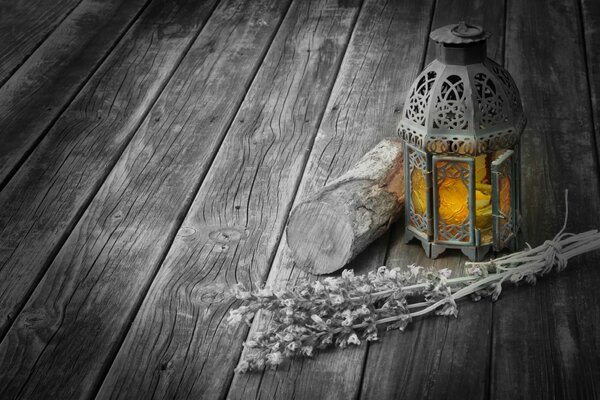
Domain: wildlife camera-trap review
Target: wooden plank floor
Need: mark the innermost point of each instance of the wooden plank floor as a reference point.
(150, 154)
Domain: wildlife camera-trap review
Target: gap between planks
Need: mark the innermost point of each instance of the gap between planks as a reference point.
(48, 82)
(292, 104)
(360, 112)
(311, 381)
(272, 13)
(545, 336)
(589, 15)
(30, 246)
(24, 51)
(178, 226)
(414, 364)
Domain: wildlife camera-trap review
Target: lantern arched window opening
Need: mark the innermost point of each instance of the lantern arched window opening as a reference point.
(461, 124)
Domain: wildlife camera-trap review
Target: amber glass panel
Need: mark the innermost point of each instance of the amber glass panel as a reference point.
(504, 200)
(505, 195)
(453, 195)
(483, 198)
(419, 191)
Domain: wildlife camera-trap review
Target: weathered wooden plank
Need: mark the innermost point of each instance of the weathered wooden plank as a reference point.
(180, 343)
(383, 58)
(590, 12)
(43, 201)
(55, 72)
(438, 357)
(24, 25)
(546, 338)
(66, 336)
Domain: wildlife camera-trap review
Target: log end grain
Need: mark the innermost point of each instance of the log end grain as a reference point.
(320, 238)
(328, 230)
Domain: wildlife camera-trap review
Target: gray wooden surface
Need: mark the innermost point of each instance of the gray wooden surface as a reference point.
(150, 154)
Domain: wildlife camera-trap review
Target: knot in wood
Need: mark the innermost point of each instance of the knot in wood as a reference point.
(212, 295)
(227, 235)
(187, 232)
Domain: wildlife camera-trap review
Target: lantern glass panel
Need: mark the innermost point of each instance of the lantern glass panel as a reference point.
(419, 192)
(483, 198)
(504, 202)
(418, 189)
(453, 184)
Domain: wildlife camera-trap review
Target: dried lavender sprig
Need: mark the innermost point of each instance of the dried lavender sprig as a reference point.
(515, 267)
(531, 266)
(310, 315)
(528, 261)
(533, 262)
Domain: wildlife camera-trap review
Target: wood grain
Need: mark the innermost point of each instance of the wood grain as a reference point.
(63, 342)
(231, 231)
(50, 78)
(102, 185)
(364, 108)
(44, 200)
(546, 338)
(24, 25)
(590, 20)
(438, 357)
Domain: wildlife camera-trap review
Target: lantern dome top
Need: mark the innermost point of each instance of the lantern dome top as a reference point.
(457, 34)
(462, 103)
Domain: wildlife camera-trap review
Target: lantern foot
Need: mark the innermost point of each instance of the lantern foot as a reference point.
(433, 250)
(475, 253)
(408, 236)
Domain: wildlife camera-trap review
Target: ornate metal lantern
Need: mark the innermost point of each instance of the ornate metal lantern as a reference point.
(461, 125)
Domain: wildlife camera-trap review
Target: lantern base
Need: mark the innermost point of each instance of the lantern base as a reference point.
(475, 253)
(434, 250)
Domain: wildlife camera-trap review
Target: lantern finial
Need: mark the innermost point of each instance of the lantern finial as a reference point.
(463, 30)
(459, 34)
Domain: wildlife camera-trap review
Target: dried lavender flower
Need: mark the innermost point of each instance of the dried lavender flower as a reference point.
(346, 310)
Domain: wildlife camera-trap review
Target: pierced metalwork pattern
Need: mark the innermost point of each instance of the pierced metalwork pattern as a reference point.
(454, 233)
(419, 98)
(411, 136)
(466, 110)
(450, 106)
(417, 160)
(450, 145)
(453, 171)
(503, 139)
(510, 88)
(491, 105)
(418, 165)
(419, 222)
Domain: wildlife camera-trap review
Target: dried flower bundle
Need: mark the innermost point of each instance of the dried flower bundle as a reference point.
(342, 311)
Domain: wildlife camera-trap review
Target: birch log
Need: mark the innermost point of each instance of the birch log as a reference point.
(329, 229)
